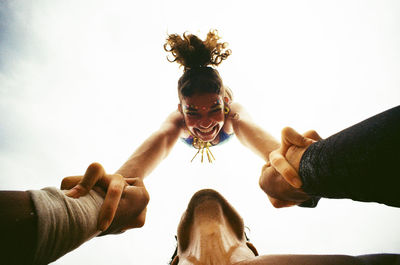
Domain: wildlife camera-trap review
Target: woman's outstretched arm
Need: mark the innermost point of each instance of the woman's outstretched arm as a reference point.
(140, 164)
(143, 161)
(250, 134)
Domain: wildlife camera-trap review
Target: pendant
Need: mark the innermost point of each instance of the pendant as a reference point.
(203, 147)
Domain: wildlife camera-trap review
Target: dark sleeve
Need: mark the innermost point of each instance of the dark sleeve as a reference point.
(378, 259)
(18, 227)
(361, 162)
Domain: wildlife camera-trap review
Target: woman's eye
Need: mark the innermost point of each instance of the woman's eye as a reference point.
(216, 110)
(192, 114)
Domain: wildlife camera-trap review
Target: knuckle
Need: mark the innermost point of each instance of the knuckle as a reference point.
(276, 204)
(261, 183)
(145, 199)
(265, 187)
(266, 182)
(114, 191)
(286, 130)
(64, 182)
(265, 167)
(287, 172)
(275, 159)
(313, 132)
(96, 168)
(274, 153)
(117, 176)
(140, 222)
(95, 165)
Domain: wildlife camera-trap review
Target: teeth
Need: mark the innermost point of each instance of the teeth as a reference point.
(207, 131)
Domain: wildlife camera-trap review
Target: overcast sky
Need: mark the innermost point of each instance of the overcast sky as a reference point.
(84, 81)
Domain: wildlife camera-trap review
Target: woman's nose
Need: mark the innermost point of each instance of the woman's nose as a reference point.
(205, 123)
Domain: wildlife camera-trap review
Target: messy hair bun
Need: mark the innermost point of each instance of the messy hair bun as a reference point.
(198, 58)
(191, 52)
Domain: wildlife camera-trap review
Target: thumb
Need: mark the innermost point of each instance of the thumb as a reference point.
(292, 137)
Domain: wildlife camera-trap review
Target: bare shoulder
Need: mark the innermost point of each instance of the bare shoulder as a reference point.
(237, 112)
(234, 110)
(236, 107)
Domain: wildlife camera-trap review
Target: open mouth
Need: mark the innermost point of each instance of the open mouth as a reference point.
(206, 134)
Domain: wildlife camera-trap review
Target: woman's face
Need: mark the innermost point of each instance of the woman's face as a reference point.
(204, 115)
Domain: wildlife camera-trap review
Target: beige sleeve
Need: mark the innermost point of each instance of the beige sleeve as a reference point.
(64, 223)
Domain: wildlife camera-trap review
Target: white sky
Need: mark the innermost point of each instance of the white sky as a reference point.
(84, 81)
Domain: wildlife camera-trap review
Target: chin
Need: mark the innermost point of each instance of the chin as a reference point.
(207, 139)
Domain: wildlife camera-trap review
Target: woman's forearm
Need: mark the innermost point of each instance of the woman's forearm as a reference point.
(253, 136)
(143, 161)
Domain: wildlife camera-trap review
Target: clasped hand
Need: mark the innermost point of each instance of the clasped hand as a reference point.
(125, 202)
(279, 178)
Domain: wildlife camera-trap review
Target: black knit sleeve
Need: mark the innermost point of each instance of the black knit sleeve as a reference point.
(361, 162)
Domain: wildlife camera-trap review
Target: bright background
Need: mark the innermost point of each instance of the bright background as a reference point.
(84, 81)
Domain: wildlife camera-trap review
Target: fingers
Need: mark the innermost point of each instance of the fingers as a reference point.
(291, 137)
(279, 191)
(284, 191)
(312, 134)
(70, 182)
(93, 173)
(109, 207)
(280, 203)
(279, 162)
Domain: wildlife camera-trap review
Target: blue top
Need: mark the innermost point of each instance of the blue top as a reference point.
(223, 137)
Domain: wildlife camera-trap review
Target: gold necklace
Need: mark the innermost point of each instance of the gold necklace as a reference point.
(201, 145)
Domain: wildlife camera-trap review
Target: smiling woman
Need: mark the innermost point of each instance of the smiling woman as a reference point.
(204, 100)
(206, 115)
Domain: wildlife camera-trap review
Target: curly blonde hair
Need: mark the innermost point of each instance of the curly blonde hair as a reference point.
(198, 58)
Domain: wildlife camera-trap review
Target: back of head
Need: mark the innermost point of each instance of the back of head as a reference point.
(198, 58)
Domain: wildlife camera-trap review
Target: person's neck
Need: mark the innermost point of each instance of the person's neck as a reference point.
(212, 243)
(212, 239)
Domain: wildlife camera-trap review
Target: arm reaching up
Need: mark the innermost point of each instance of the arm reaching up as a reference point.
(142, 162)
(40, 226)
(358, 163)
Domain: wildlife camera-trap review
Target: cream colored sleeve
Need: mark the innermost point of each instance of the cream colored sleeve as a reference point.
(64, 223)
